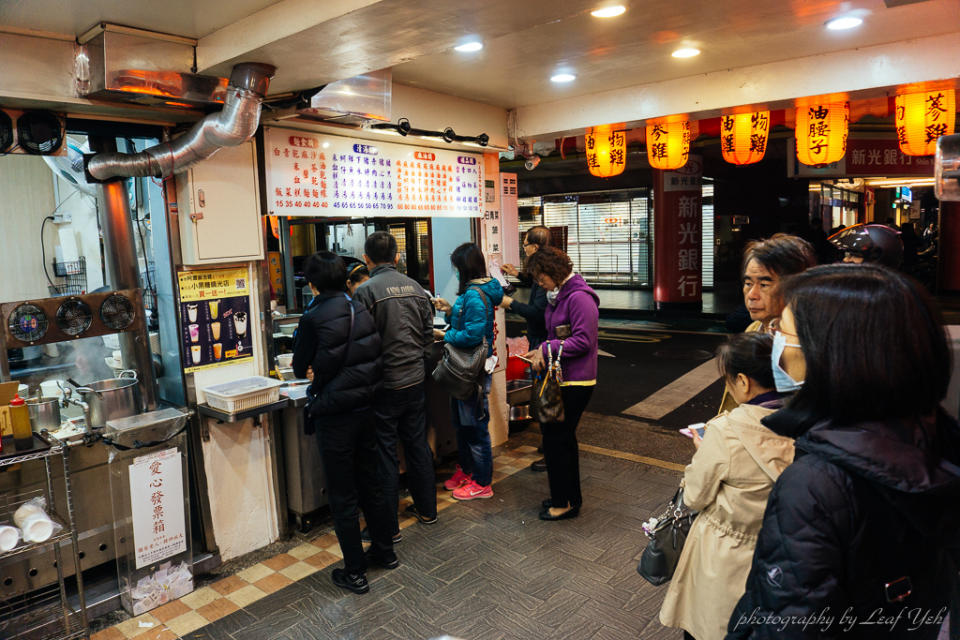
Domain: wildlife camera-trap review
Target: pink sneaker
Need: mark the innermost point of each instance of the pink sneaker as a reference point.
(472, 490)
(457, 480)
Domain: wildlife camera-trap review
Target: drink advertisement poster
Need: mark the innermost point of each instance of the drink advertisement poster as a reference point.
(215, 309)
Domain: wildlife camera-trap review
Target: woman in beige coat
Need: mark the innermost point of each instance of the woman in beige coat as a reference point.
(728, 482)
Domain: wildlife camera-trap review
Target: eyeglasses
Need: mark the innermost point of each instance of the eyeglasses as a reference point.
(774, 328)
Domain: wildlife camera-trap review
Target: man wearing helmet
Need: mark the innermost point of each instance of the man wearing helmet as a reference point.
(870, 243)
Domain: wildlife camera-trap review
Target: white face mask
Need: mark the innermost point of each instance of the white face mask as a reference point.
(552, 296)
(782, 379)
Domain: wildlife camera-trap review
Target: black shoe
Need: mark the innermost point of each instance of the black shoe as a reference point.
(540, 449)
(356, 582)
(412, 510)
(573, 512)
(546, 504)
(375, 559)
(539, 465)
(365, 536)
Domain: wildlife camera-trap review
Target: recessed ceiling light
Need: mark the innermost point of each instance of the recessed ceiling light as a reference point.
(844, 22)
(561, 78)
(609, 12)
(469, 47)
(686, 52)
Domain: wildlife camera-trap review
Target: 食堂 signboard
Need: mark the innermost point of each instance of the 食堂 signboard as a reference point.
(311, 174)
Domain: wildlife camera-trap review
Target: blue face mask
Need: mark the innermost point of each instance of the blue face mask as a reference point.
(781, 378)
(552, 296)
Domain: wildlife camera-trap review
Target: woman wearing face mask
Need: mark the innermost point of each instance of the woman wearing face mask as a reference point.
(864, 523)
(573, 311)
(728, 482)
(471, 320)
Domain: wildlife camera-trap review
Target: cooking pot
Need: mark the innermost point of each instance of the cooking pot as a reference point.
(44, 413)
(109, 399)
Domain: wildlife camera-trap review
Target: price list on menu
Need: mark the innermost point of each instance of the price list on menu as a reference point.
(320, 175)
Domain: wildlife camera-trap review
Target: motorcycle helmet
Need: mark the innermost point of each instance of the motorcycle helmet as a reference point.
(870, 243)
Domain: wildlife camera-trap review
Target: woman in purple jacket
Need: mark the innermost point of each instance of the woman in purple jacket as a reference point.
(572, 311)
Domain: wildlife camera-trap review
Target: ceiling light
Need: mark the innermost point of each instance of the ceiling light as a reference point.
(686, 52)
(844, 22)
(469, 47)
(609, 12)
(561, 78)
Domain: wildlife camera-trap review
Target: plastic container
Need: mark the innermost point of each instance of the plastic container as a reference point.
(20, 421)
(243, 394)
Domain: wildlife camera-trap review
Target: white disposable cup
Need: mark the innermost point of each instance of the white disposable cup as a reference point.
(195, 352)
(192, 312)
(9, 537)
(26, 510)
(37, 528)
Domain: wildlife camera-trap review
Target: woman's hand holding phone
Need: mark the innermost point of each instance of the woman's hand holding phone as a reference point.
(535, 358)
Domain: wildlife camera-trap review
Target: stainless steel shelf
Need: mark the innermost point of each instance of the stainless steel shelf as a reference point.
(223, 416)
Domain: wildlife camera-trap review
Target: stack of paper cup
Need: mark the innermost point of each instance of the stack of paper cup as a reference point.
(34, 522)
(9, 537)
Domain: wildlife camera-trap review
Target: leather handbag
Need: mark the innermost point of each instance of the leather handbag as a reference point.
(460, 369)
(666, 535)
(547, 397)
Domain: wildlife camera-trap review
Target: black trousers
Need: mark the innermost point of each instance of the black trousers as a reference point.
(349, 452)
(402, 416)
(561, 451)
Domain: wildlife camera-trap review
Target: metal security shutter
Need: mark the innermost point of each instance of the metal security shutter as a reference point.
(707, 237)
(561, 211)
(604, 239)
(641, 219)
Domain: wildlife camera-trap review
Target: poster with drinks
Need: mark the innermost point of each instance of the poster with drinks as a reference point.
(215, 313)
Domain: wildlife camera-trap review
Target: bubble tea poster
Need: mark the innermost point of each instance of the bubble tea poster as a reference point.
(215, 314)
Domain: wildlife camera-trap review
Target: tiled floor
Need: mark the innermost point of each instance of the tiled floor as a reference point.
(488, 569)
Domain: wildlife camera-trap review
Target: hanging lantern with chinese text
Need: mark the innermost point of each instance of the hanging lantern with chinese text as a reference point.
(821, 132)
(743, 137)
(921, 118)
(606, 151)
(668, 144)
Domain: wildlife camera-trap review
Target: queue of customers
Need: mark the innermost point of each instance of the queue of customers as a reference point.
(828, 487)
(363, 343)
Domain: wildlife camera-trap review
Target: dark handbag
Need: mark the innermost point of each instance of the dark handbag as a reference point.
(460, 369)
(311, 397)
(666, 533)
(547, 397)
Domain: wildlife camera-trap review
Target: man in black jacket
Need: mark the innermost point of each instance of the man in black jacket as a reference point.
(404, 319)
(337, 339)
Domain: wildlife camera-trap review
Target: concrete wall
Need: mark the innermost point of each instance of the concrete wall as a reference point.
(437, 111)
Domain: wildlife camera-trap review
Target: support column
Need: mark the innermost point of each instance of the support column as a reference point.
(949, 241)
(677, 207)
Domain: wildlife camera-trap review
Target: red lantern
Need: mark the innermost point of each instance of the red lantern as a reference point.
(606, 151)
(743, 137)
(821, 132)
(921, 118)
(668, 144)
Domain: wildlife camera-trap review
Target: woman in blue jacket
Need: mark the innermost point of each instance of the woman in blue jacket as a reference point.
(471, 320)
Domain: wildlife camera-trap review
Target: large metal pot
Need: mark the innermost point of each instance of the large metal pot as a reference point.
(109, 399)
(44, 413)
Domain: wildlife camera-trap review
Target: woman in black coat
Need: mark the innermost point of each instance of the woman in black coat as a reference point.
(337, 342)
(861, 535)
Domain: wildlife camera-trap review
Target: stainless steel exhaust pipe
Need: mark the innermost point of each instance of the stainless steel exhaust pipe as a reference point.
(233, 125)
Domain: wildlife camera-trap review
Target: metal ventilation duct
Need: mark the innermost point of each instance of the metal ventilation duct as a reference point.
(235, 124)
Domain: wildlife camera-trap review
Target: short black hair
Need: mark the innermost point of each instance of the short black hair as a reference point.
(873, 342)
(325, 271)
(749, 354)
(781, 253)
(380, 247)
(468, 260)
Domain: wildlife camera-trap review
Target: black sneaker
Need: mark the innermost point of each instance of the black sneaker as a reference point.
(412, 510)
(387, 562)
(365, 536)
(356, 582)
(539, 465)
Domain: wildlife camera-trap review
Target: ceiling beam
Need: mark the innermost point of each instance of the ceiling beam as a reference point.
(859, 73)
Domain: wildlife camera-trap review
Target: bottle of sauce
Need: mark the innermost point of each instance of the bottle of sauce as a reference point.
(20, 421)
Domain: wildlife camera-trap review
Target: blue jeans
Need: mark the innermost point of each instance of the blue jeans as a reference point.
(471, 418)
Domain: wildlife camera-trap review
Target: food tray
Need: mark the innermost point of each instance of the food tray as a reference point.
(243, 394)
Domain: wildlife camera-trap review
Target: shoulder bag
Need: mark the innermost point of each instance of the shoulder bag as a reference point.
(460, 368)
(311, 397)
(666, 534)
(548, 400)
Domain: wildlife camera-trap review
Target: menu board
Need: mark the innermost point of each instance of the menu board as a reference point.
(215, 312)
(312, 174)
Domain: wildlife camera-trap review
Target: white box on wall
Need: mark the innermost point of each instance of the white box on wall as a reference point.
(219, 207)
